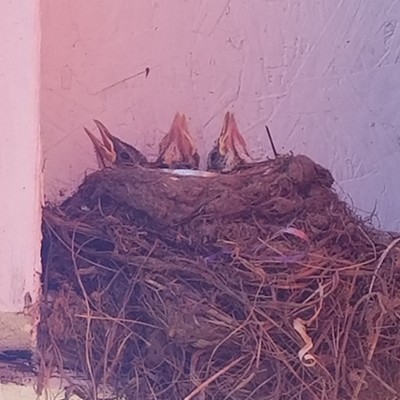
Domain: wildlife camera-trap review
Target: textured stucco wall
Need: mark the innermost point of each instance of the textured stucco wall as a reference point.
(324, 74)
(19, 165)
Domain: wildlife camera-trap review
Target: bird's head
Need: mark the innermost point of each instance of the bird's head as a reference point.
(111, 151)
(177, 149)
(230, 150)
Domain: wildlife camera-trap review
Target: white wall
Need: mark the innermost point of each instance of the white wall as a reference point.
(324, 74)
(20, 216)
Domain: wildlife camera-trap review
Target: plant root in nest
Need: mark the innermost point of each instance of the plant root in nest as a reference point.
(257, 284)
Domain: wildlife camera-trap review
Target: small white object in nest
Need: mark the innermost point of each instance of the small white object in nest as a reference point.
(189, 172)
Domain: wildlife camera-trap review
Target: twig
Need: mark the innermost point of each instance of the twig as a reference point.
(381, 381)
(271, 141)
(211, 379)
(87, 302)
(380, 262)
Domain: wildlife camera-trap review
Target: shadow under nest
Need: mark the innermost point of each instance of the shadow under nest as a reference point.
(258, 284)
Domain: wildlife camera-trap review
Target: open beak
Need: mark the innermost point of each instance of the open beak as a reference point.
(177, 148)
(231, 139)
(111, 151)
(104, 150)
(230, 150)
(169, 151)
(186, 142)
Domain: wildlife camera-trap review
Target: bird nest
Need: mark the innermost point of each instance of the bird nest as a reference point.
(257, 284)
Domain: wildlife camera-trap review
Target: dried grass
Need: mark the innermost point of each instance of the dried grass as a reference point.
(260, 284)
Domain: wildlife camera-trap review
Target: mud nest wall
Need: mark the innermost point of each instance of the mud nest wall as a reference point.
(259, 284)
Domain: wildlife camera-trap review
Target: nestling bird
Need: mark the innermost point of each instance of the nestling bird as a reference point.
(230, 150)
(177, 149)
(113, 151)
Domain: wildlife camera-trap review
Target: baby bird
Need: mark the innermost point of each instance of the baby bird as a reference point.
(177, 149)
(230, 150)
(112, 151)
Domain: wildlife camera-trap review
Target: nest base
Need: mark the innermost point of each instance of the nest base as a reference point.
(251, 285)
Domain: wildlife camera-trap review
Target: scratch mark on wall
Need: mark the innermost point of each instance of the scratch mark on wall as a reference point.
(307, 58)
(207, 10)
(225, 11)
(128, 78)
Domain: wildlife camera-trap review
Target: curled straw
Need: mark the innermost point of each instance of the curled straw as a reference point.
(193, 287)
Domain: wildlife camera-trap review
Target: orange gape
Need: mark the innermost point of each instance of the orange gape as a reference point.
(177, 148)
(230, 151)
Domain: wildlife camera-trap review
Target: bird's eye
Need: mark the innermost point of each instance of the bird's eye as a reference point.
(125, 156)
(214, 156)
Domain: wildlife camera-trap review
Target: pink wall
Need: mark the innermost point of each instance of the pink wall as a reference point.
(322, 74)
(20, 165)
